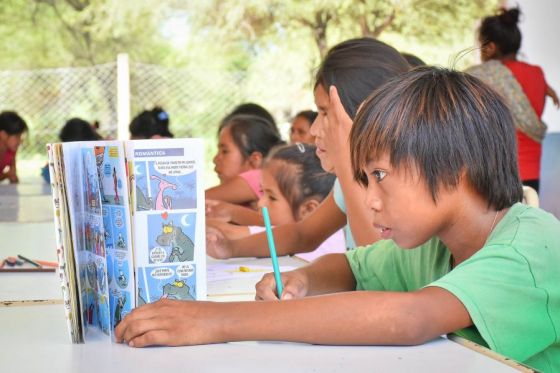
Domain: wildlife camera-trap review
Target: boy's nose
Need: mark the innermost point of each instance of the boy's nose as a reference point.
(372, 200)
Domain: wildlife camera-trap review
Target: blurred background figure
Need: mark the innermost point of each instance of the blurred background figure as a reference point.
(75, 129)
(301, 124)
(12, 127)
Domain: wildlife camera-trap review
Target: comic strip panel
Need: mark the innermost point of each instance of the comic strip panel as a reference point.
(171, 237)
(165, 185)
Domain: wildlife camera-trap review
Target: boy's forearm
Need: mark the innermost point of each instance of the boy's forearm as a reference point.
(366, 318)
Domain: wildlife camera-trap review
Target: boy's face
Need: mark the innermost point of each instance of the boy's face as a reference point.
(278, 206)
(402, 205)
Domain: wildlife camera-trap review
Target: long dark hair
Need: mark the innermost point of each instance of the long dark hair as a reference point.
(252, 134)
(358, 66)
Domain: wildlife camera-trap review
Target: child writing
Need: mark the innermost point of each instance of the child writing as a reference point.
(356, 67)
(12, 127)
(293, 184)
(301, 126)
(523, 84)
(243, 142)
(468, 257)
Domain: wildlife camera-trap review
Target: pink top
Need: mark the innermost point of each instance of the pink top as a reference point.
(7, 159)
(334, 244)
(253, 178)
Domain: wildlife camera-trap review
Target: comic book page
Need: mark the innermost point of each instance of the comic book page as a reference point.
(88, 237)
(168, 218)
(110, 162)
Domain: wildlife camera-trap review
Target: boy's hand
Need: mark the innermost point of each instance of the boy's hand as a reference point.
(294, 282)
(169, 323)
(217, 244)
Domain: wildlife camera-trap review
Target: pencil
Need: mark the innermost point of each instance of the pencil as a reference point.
(272, 249)
(32, 262)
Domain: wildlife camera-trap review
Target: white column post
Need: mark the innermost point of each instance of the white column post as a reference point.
(123, 96)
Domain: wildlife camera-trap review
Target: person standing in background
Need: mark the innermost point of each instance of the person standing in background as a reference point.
(500, 40)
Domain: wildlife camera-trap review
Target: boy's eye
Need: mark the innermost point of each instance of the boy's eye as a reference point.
(379, 175)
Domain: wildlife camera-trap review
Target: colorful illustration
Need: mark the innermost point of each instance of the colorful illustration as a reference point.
(164, 186)
(169, 237)
(171, 282)
(177, 290)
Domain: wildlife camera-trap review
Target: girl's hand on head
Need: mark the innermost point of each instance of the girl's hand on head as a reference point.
(170, 323)
(337, 126)
(219, 210)
(217, 245)
(294, 283)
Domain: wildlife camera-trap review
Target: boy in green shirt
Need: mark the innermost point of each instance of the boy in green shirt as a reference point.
(436, 150)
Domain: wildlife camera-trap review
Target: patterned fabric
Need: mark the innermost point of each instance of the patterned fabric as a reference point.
(499, 77)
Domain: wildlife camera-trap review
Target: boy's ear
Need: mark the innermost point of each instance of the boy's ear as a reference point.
(306, 208)
(255, 160)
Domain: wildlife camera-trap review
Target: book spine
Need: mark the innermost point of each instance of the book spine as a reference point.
(61, 270)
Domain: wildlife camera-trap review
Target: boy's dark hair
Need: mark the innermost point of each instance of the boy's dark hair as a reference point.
(356, 67)
(299, 174)
(308, 115)
(413, 60)
(250, 108)
(443, 123)
(77, 129)
(12, 123)
(251, 134)
(144, 126)
(502, 30)
(162, 118)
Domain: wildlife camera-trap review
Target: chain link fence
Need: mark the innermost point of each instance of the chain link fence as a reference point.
(195, 100)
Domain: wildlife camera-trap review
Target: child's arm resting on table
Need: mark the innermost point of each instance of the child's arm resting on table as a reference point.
(351, 317)
(361, 317)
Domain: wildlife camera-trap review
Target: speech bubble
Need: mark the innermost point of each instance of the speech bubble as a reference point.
(121, 255)
(118, 222)
(175, 167)
(185, 270)
(158, 255)
(162, 273)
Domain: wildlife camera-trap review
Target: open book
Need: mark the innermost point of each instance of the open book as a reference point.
(129, 220)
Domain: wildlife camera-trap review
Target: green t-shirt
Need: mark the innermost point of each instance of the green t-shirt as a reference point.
(510, 287)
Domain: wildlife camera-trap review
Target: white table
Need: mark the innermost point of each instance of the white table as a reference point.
(35, 338)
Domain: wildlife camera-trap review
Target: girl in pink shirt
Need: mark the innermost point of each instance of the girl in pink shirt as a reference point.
(294, 184)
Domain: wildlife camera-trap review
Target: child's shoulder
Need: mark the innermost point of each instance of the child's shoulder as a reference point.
(527, 229)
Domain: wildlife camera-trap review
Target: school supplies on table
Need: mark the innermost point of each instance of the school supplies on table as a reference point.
(22, 264)
(272, 249)
(129, 220)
